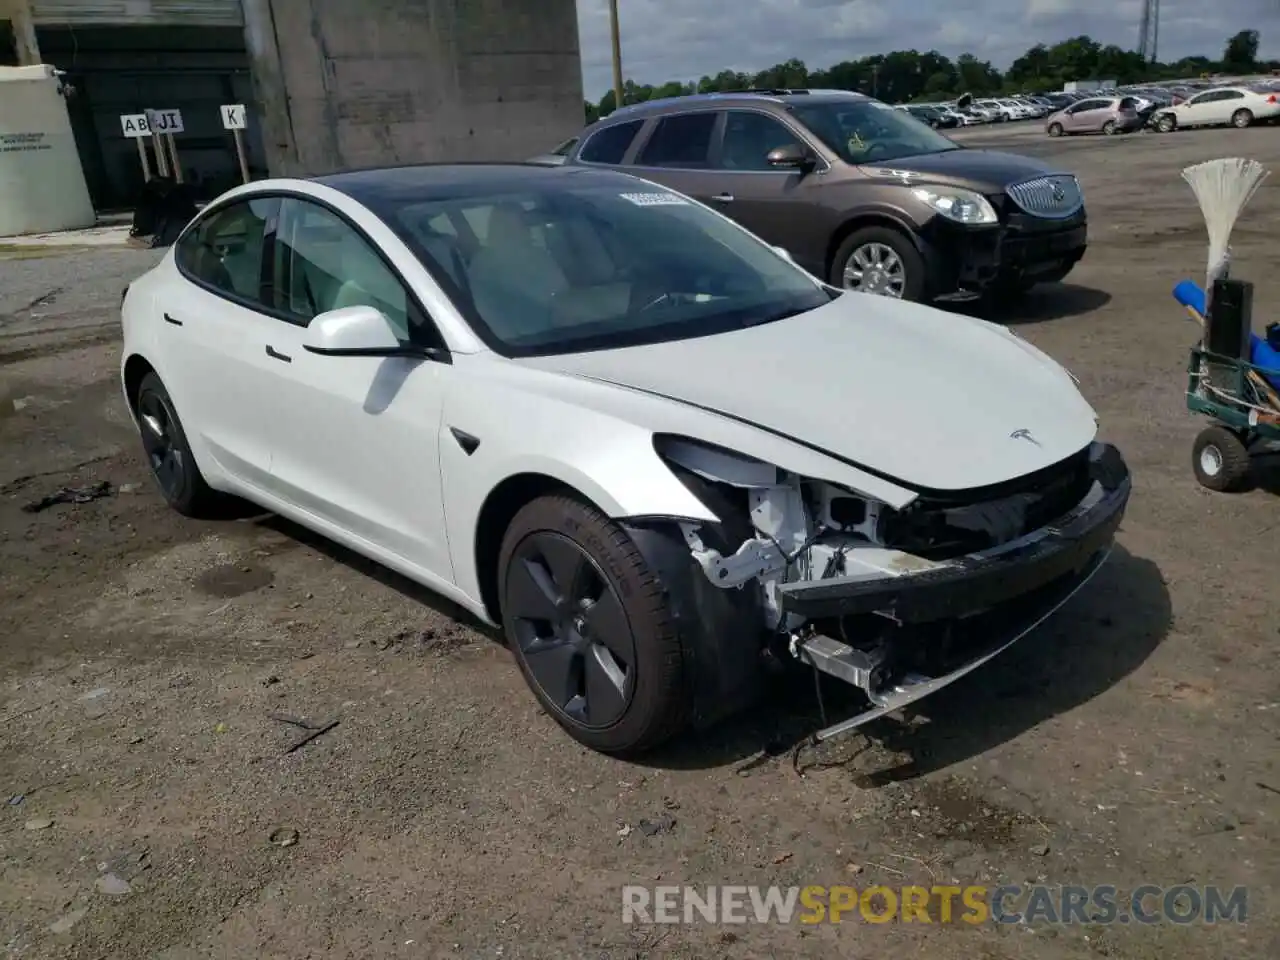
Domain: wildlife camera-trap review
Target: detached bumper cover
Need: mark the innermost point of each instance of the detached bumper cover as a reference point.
(977, 582)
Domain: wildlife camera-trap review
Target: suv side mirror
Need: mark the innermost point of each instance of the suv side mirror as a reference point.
(793, 156)
(360, 331)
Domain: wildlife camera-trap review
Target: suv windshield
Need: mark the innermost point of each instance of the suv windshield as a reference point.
(868, 131)
(549, 268)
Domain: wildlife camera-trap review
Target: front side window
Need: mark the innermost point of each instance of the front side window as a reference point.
(224, 249)
(748, 139)
(322, 263)
(868, 131)
(563, 269)
(611, 144)
(681, 140)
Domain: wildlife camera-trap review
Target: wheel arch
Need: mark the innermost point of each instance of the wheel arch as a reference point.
(860, 221)
(136, 367)
(497, 511)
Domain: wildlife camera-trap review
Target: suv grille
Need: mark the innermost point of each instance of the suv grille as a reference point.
(1056, 197)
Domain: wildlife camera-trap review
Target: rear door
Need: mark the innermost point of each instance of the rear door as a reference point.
(1089, 115)
(781, 206)
(218, 372)
(677, 154)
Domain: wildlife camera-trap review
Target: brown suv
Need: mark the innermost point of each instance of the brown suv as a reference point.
(861, 195)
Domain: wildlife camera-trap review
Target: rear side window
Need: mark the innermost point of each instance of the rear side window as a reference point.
(224, 250)
(610, 145)
(682, 140)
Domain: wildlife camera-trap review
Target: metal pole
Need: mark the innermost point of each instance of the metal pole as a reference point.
(240, 154)
(617, 53)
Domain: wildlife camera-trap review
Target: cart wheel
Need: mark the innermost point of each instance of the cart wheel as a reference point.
(1220, 460)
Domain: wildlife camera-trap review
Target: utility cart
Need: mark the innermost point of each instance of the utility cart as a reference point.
(1233, 376)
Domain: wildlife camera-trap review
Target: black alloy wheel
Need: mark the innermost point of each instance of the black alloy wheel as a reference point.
(572, 631)
(168, 453)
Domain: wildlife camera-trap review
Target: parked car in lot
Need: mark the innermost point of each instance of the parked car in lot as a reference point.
(859, 193)
(641, 441)
(1237, 106)
(1109, 115)
(556, 156)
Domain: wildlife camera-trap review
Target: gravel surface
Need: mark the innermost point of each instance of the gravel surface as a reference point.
(157, 810)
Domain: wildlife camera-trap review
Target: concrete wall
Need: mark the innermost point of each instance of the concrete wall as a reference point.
(343, 85)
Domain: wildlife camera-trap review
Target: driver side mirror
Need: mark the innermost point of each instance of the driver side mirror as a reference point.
(360, 331)
(793, 157)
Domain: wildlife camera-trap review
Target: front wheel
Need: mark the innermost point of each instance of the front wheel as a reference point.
(1166, 124)
(1220, 460)
(880, 261)
(1055, 130)
(590, 628)
(1241, 119)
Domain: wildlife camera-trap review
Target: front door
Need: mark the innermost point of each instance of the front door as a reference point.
(781, 206)
(357, 438)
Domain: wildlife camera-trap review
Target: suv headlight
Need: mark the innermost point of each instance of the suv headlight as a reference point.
(962, 206)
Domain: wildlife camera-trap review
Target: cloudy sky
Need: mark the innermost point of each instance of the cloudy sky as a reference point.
(684, 39)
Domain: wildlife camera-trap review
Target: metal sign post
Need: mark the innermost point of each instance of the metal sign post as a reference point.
(134, 126)
(164, 124)
(234, 119)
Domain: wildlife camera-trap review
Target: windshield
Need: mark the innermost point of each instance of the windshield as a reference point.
(868, 131)
(548, 269)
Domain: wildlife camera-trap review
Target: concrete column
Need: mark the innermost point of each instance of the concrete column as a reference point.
(343, 85)
(25, 48)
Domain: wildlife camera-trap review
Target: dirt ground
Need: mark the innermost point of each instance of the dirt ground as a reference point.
(1133, 740)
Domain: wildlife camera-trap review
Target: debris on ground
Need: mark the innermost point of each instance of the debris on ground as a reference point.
(314, 729)
(113, 885)
(39, 823)
(86, 494)
(283, 837)
(663, 824)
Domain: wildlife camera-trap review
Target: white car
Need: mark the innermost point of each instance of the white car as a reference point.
(651, 448)
(1238, 106)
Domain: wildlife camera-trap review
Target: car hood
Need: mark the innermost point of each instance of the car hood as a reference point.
(987, 171)
(927, 399)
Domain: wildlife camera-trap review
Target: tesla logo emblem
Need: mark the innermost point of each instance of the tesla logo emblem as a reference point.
(1058, 193)
(1024, 435)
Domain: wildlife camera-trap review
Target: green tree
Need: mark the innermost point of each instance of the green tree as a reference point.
(1241, 53)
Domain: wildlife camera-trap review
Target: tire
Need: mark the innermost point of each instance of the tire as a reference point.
(1220, 460)
(168, 453)
(622, 697)
(914, 284)
(1055, 130)
(1167, 124)
(1109, 128)
(1241, 119)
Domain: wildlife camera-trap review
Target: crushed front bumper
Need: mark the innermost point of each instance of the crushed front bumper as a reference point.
(995, 597)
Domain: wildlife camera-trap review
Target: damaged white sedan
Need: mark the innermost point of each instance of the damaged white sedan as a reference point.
(660, 456)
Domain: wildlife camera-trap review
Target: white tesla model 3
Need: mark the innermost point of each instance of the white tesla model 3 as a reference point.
(657, 453)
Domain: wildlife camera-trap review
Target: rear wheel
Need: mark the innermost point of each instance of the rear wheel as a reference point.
(880, 261)
(168, 452)
(1055, 130)
(590, 628)
(1241, 119)
(1109, 128)
(1220, 460)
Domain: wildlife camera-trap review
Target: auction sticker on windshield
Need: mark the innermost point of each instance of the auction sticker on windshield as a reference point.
(655, 199)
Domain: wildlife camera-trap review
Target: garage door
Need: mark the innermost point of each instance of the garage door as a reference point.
(137, 13)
